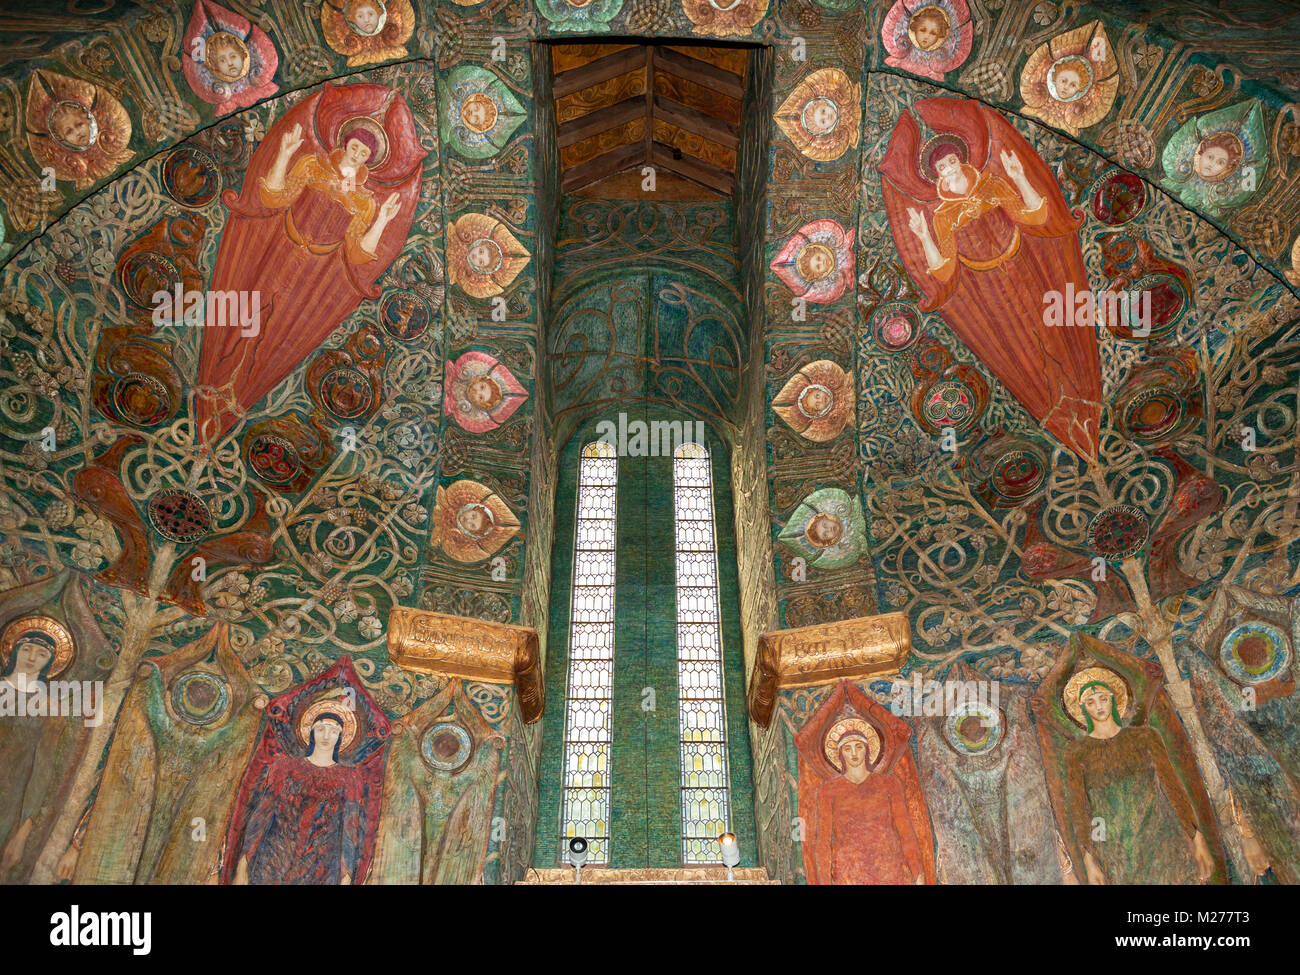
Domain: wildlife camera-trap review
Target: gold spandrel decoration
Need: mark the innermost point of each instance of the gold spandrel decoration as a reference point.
(825, 653)
(469, 649)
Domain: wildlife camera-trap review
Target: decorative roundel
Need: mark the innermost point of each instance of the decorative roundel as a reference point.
(896, 326)
(950, 404)
(1018, 473)
(141, 399)
(144, 274)
(1153, 414)
(1169, 302)
(1119, 531)
(191, 177)
(201, 698)
(273, 459)
(1118, 198)
(179, 516)
(1255, 652)
(974, 728)
(404, 315)
(446, 747)
(346, 393)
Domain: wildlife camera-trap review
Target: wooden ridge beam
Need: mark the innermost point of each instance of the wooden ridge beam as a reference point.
(602, 69)
(601, 120)
(693, 120)
(606, 164)
(696, 170)
(701, 72)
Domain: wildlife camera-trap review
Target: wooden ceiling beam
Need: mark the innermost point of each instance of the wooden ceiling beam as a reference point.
(601, 69)
(693, 120)
(696, 170)
(606, 164)
(701, 72)
(593, 123)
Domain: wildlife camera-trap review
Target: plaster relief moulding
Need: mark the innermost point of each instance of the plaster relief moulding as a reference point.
(826, 653)
(469, 649)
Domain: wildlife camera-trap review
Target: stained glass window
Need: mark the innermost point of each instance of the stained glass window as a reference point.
(703, 715)
(588, 726)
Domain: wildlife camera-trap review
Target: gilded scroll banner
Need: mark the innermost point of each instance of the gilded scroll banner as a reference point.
(825, 653)
(469, 649)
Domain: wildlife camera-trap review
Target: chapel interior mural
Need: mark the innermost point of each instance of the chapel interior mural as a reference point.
(785, 441)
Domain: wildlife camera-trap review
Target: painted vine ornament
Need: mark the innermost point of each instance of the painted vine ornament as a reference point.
(477, 112)
(76, 128)
(822, 115)
(1071, 81)
(228, 61)
(817, 402)
(367, 31)
(927, 37)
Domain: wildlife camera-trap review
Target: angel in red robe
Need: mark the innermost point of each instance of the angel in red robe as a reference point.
(326, 206)
(860, 797)
(984, 231)
(308, 806)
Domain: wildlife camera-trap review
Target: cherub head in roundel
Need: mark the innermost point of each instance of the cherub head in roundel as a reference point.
(1071, 81)
(927, 37)
(1218, 160)
(482, 394)
(821, 115)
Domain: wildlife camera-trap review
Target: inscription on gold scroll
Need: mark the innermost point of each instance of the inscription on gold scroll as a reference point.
(825, 653)
(469, 649)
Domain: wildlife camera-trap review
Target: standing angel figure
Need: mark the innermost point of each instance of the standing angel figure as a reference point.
(984, 231)
(326, 206)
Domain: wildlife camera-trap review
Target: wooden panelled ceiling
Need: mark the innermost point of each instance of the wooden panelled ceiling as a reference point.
(621, 107)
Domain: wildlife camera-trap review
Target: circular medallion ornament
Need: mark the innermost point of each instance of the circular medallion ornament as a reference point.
(179, 516)
(273, 459)
(72, 125)
(40, 635)
(815, 401)
(896, 326)
(1118, 198)
(201, 698)
(815, 262)
(1169, 302)
(476, 520)
(346, 393)
(478, 112)
(974, 728)
(1069, 78)
(1119, 531)
(404, 315)
(446, 747)
(1018, 473)
(484, 256)
(1255, 652)
(191, 177)
(819, 116)
(141, 399)
(144, 274)
(1153, 414)
(824, 530)
(950, 404)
